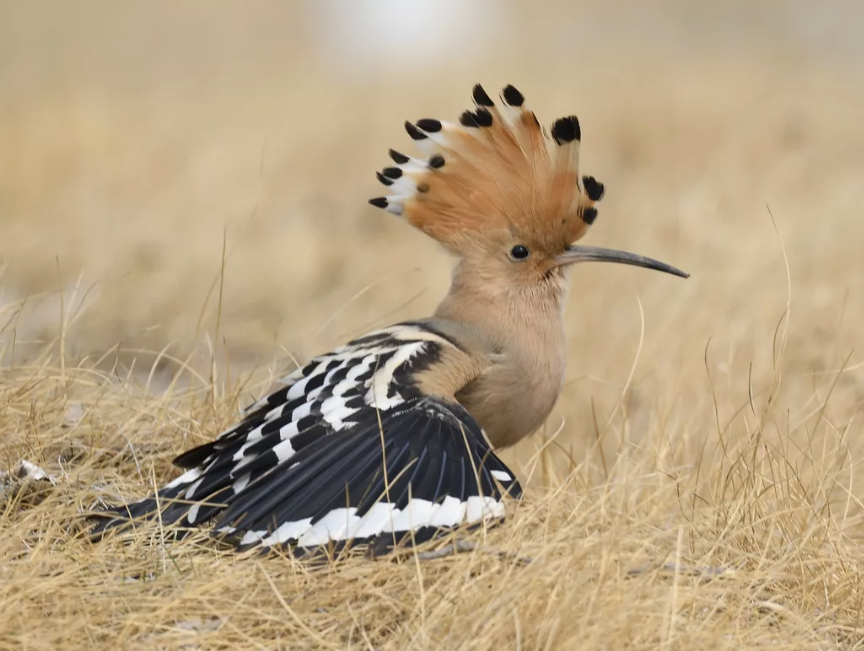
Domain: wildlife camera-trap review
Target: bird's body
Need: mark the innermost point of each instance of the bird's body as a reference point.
(523, 339)
(389, 438)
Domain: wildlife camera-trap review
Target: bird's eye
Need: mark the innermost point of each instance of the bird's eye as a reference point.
(519, 252)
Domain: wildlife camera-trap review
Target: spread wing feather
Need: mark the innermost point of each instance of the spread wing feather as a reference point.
(349, 450)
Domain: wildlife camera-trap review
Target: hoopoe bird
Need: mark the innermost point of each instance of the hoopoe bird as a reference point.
(389, 439)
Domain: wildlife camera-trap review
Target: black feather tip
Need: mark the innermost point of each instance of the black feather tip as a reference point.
(512, 96)
(481, 97)
(467, 119)
(379, 202)
(593, 188)
(383, 179)
(483, 117)
(589, 215)
(414, 132)
(436, 162)
(399, 159)
(429, 125)
(392, 172)
(566, 130)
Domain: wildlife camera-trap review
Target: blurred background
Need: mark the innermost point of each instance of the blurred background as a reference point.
(136, 139)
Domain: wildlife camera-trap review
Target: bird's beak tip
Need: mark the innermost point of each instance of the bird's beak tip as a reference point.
(597, 254)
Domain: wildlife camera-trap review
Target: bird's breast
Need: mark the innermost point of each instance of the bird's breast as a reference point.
(512, 399)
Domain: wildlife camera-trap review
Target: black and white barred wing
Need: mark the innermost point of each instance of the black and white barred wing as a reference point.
(423, 467)
(349, 449)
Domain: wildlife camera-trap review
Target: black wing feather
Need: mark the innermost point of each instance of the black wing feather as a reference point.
(306, 465)
(432, 448)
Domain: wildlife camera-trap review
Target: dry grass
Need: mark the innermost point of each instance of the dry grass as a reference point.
(697, 485)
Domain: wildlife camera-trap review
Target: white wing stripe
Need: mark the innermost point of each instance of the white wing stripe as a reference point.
(382, 517)
(377, 394)
(288, 431)
(301, 411)
(298, 389)
(186, 478)
(241, 482)
(283, 450)
(359, 369)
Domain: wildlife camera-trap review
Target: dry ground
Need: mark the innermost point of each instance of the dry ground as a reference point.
(699, 481)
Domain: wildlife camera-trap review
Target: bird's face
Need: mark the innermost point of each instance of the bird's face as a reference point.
(519, 260)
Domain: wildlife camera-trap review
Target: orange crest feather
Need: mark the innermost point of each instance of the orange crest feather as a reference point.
(496, 169)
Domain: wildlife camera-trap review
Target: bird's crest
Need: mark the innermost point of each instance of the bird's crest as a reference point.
(496, 169)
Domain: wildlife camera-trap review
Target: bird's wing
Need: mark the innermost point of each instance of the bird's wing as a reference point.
(363, 444)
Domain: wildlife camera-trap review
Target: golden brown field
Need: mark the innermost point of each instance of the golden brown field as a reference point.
(699, 483)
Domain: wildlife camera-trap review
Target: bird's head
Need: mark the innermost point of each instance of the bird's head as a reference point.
(501, 193)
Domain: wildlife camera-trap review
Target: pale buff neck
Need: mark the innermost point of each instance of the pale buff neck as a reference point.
(525, 322)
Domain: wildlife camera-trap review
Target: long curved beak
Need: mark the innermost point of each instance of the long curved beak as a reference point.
(575, 254)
